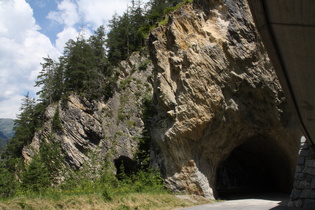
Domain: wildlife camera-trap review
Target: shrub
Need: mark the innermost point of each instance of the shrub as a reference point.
(144, 64)
(56, 123)
(107, 194)
(36, 176)
(8, 185)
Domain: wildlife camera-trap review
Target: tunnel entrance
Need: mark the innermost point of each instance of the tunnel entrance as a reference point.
(125, 166)
(259, 165)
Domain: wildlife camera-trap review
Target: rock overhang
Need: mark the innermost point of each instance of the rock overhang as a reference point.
(214, 93)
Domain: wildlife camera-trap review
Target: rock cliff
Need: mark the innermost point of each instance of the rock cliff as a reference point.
(221, 111)
(222, 121)
(112, 129)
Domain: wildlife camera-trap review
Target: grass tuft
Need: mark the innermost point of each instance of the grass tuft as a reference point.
(96, 201)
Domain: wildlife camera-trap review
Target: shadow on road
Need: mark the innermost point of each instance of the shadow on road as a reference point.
(257, 201)
(283, 199)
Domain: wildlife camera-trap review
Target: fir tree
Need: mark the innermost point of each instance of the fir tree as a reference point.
(136, 22)
(97, 43)
(99, 74)
(78, 61)
(117, 39)
(24, 128)
(36, 175)
(45, 80)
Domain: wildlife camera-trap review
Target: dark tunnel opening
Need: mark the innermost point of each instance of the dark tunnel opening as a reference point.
(259, 165)
(125, 166)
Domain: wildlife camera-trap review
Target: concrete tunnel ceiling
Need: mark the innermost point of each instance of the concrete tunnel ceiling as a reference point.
(287, 29)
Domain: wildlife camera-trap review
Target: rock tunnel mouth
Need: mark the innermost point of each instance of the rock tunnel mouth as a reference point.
(124, 166)
(258, 166)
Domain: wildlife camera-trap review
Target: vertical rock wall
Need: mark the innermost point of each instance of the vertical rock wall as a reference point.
(215, 91)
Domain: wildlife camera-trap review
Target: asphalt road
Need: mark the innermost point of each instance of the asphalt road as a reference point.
(257, 202)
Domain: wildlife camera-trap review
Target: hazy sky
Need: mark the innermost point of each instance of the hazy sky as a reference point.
(33, 29)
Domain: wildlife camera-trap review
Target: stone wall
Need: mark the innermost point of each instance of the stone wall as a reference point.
(303, 193)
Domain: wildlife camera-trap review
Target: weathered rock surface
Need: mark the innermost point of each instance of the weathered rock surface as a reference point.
(215, 90)
(190, 180)
(111, 128)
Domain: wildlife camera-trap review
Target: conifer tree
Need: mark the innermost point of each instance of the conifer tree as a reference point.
(136, 21)
(11, 165)
(8, 184)
(36, 175)
(45, 80)
(97, 43)
(51, 157)
(24, 127)
(58, 85)
(117, 39)
(99, 74)
(78, 60)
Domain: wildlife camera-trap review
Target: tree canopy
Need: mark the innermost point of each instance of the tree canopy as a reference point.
(86, 65)
(129, 31)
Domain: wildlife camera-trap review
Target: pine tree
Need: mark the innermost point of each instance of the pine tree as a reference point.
(117, 39)
(11, 164)
(45, 80)
(51, 156)
(44, 168)
(24, 127)
(136, 22)
(97, 43)
(99, 73)
(36, 176)
(8, 184)
(125, 36)
(157, 9)
(78, 61)
(58, 85)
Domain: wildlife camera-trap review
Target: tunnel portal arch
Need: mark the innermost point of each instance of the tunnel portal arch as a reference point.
(260, 164)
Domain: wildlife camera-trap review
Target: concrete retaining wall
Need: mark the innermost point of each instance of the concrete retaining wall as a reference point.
(303, 193)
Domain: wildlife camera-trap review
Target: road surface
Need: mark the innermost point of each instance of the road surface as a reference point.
(258, 202)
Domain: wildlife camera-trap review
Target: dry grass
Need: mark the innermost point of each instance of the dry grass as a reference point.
(130, 201)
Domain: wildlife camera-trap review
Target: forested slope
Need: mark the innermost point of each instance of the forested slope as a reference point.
(93, 113)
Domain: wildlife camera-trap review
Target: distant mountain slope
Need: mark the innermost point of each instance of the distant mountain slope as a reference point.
(6, 127)
(2, 136)
(2, 140)
(6, 131)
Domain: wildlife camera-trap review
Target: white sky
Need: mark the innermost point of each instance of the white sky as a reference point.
(33, 29)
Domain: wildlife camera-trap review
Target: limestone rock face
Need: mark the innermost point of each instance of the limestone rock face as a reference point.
(110, 128)
(215, 91)
(190, 180)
